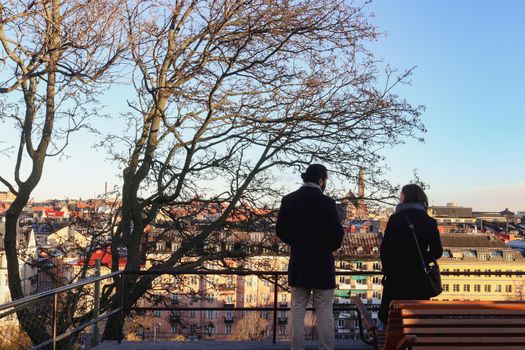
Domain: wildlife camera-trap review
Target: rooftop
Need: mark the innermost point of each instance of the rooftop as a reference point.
(471, 241)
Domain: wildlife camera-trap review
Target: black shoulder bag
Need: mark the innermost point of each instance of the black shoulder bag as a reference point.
(432, 275)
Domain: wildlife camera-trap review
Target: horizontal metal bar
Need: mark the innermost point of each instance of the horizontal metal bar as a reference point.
(238, 273)
(75, 330)
(482, 273)
(255, 308)
(337, 273)
(51, 292)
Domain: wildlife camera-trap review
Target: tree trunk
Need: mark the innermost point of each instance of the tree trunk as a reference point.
(28, 318)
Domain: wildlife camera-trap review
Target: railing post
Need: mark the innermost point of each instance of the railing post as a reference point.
(96, 308)
(275, 290)
(54, 329)
(121, 312)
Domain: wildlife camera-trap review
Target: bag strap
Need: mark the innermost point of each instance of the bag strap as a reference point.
(411, 226)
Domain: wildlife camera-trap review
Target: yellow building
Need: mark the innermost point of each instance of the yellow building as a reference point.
(480, 253)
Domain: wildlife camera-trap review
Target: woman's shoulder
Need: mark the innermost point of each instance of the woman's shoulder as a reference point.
(412, 214)
(396, 218)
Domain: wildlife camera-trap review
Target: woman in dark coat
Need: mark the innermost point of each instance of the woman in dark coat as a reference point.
(404, 278)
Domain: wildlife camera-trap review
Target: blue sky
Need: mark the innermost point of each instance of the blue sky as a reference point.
(470, 58)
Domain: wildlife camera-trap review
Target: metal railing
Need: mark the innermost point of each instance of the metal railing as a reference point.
(125, 307)
(275, 308)
(10, 308)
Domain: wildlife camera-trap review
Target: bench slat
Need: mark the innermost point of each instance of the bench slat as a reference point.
(470, 347)
(471, 340)
(464, 330)
(454, 312)
(492, 322)
(403, 304)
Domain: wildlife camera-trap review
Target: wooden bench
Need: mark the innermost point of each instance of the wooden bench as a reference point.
(435, 325)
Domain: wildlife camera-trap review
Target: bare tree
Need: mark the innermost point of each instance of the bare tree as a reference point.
(228, 95)
(251, 327)
(52, 55)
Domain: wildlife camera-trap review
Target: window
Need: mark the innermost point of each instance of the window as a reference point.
(192, 313)
(508, 288)
(445, 287)
(358, 265)
(228, 329)
(376, 280)
(229, 314)
(497, 289)
(282, 330)
(283, 298)
(283, 314)
(157, 328)
(341, 279)
(210, 313)
(174, 328)
(487, 288)
(466, 287)
(376, 295)
(248, 298)
(193, 280)
(455, 287)
(477, 288)
(157, 313)
(340, 323)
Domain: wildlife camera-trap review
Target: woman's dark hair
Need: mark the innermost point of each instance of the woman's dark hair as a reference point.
(414, 194)
(314, 173)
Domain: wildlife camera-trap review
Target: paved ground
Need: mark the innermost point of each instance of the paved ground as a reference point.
(223, 345)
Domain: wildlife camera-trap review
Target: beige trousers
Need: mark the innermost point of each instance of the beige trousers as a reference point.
(324, 318)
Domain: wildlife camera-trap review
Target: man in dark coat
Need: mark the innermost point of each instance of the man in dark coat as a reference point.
(308, 221)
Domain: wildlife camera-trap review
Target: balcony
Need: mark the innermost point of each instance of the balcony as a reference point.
(227, 287)
(229, 305)
(174, 319)
(282, 320)
(283, 304)
(228, 319)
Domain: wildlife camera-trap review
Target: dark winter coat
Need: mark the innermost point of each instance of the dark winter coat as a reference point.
(308, 221)
(404, 276)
